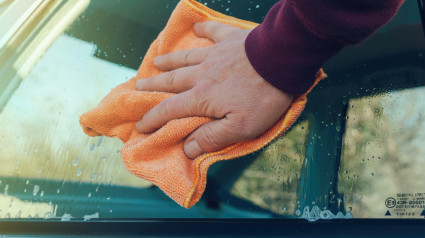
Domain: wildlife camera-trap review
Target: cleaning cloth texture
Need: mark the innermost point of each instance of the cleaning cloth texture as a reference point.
(159, 156)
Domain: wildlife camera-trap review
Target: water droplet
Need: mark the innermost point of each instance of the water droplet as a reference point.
(92, 147)
(89, 195)
(298, 212)
(48, 215)
(78, 172)
(66, 217)
(285, 209)
(35, 190)
(99, 142)
(93, 176)
(75, 162)
(258, 6)
(372, 174)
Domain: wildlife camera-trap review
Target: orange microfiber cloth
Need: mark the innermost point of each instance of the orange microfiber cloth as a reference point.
(159, 156)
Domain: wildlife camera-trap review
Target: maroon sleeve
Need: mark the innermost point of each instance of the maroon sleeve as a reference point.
(298, 36)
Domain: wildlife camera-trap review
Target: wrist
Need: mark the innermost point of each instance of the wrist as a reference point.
(285, 53)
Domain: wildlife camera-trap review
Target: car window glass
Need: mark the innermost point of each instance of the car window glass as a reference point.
(383, 154)
(358, 143)
(272, 180)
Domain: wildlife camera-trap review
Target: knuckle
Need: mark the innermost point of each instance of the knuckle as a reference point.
(170, 79)
(245, 129)
(162, 108)
(186, 58)
(165, 109)
(198, 94)
(199, 91)
(207, 65)
(215, 74)
(208, 138)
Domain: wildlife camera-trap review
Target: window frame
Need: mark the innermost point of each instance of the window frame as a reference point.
(216, 228)
(236, 227)
(422, 12)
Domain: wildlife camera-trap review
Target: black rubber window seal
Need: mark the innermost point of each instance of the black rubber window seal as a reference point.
(422, 12)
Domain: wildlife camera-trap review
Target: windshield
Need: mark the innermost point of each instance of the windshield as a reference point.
(355, 152)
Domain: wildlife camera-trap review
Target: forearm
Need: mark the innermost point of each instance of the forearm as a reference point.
(298, 36)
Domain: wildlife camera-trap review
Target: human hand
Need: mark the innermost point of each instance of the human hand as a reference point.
(217, 82)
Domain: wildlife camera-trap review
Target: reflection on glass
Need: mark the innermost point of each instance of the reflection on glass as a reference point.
(41, 136)
(383, 153)
(40, 121)
(13, 207)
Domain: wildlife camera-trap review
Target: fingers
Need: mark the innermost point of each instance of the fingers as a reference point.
(210, 137)
(175, 81)
(214, 31)
(178, 106)
(181, 59)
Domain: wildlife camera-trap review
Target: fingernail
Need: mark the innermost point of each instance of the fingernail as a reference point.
(196, 25)
(157, 60)
(139, 126)
(192, 149)
(140, 84)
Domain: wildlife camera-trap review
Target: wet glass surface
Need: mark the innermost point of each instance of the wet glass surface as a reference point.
(383, 154)
(359, 142)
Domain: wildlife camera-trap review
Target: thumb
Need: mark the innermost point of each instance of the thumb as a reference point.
(210, 137)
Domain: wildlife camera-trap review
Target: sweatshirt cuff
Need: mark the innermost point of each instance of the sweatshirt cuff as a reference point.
(285, 52)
